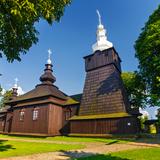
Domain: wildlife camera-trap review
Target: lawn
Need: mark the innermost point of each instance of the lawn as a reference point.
(136, 154)
(65, 139)
(16, 148)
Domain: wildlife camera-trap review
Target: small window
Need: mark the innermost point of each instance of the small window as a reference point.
(21, 115)
(67, 115)
(35, 114)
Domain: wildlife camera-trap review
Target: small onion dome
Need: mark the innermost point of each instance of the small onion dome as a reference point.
(47, 77)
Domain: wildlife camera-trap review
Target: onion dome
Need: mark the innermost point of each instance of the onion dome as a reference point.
(47, 77)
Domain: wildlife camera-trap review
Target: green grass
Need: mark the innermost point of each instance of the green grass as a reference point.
(66, 139)
(136, 154)
(17, 148)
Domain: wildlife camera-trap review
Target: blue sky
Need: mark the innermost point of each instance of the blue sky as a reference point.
(72, 38)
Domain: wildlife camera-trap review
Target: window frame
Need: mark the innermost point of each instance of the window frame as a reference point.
(21, 115)
(35, 114)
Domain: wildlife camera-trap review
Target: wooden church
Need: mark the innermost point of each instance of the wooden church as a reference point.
(102, 108)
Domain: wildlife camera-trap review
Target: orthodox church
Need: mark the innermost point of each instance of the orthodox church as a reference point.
(102, 108)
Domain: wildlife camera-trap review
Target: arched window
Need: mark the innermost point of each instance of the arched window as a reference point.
(21, 115)
(35, 114)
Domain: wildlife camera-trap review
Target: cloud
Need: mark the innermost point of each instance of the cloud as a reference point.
(20, 90)
(144, 112)
(3, 91)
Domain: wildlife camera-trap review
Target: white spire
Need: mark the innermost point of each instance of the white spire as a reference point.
(102, 42)
(16, 83)
(49, 56)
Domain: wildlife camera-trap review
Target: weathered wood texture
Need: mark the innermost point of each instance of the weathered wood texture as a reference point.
(55, 119)
(68, 112)
(28, 125)
(128, 125)
(103, 90)
(2, 123)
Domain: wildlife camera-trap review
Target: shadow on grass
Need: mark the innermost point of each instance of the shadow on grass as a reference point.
(113, 142)
(75, 155)
(4, 147)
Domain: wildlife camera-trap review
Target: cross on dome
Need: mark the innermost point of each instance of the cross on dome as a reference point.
(49, 56)
(99, 17)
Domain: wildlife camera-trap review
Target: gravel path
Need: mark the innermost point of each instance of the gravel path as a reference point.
(91, 149)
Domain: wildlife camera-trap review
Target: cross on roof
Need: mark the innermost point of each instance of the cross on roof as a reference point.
(16, 82)
(99, 17)
(49, 56)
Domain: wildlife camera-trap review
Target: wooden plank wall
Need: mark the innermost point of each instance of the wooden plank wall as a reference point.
(105, 126)
(2, 122)
(55, 119)
(28, 125)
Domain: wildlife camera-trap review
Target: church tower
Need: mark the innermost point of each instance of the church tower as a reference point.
(104, 108)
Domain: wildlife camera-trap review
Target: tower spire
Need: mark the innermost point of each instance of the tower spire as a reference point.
(102, 42)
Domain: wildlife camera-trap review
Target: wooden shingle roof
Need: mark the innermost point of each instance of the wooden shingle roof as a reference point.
(41, 90)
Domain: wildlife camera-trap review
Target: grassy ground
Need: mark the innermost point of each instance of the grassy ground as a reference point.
(15, 148)
(140, 154)
(66, 139)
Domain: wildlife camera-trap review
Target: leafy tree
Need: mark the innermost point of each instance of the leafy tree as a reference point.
(17, 23)
(5, 98)
(142, 120)
(147, 48)
(135, 89)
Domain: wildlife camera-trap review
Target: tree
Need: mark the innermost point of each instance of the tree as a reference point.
(17, 23)
(135, 89)
(142, 119)
(5, 98)
(147, 48)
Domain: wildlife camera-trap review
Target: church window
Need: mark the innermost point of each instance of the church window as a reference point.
(21, 115)
(67, 115)
(35, 114)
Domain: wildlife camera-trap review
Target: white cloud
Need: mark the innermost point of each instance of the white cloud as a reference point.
(20, 90)
(3, 91)
(144, 112)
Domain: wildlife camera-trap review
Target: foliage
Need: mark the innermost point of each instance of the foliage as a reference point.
(142, 120)
(147, 48)
(5, 98)
(134, 154)
(135, 88)
(158, 116)
(17, 23)
(17, 148)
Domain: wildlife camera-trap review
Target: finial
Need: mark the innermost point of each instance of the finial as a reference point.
(99, 17)
(49, 56)
(16, 83)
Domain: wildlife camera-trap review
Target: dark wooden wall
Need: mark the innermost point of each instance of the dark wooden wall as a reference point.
(2, 123)
(106, 126)
(103, 92)
(28, 125)
(55, 120)
(102, 58)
